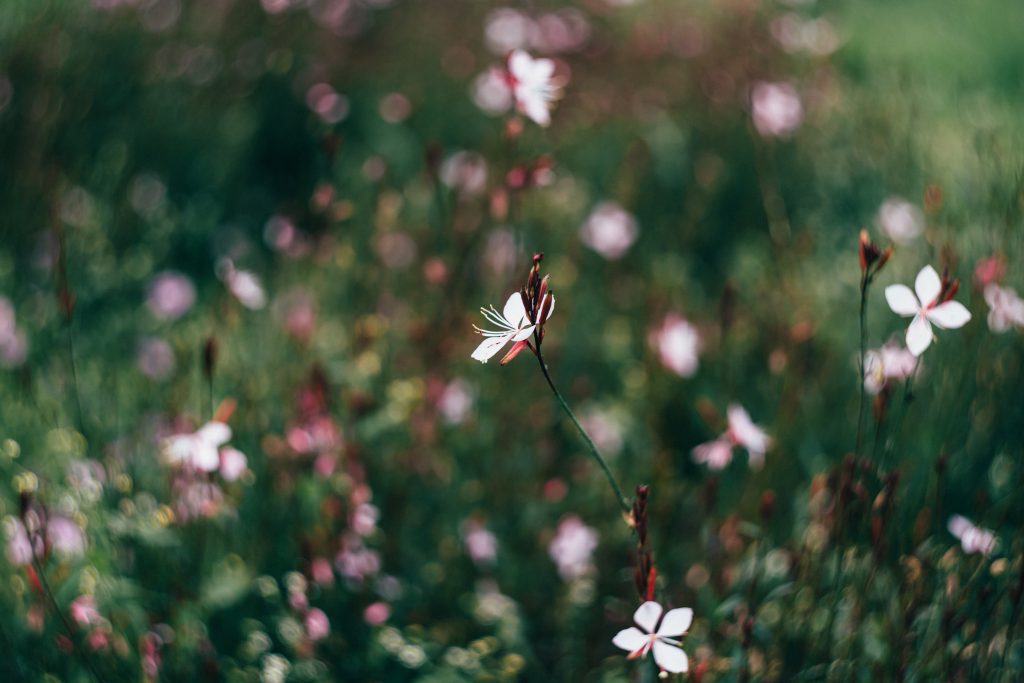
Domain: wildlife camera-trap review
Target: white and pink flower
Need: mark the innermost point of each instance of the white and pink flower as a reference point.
(658, 635)
(973, 539)
(1006, 308)
(524, 82)
(513, 324)
(678, 345)
(742, 432)
(928, 307)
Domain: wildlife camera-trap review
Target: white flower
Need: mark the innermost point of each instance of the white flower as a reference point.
(973, 539)
(678, 344)
(1006, 308)
(889, 362)
(572, 548)
(244, 285)
(668, 653)
(925, 308)
(532, 85)
(514, 325)
(743, 432)
(900, 220)
(199, 450)
(609, 230)
(777, 110)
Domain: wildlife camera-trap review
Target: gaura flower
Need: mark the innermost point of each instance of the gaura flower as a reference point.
(532, 85)
(933, 304)
(887, 363)
(199, 450)
(668, 653)
(523, 316)
(743, 432)
(1006, 308)
(973, 539)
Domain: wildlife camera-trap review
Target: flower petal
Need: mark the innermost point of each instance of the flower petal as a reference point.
(950, 315)
(646, 615)
(919, 335)
(205, 457)
(490, 346)
(901, 300)
(676, 622)
(631, 639)
(958, 525)
(551, 309)
(214, 433)
(927, 285)
(670, 658)
(715, 454)
(524, 333)
(514, 351)
(514, 311)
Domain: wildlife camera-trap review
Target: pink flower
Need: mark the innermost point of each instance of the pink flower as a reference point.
(926, 308)
(364, 519)
(456, 402)
(572, 548)
(83, 610)
(990, 270)
(481, 544)
(155, 358)
(376, 613)
(465, 172)
(1006, 308)
(678, 345)
(199, 449)
(668, 653)
(891, 362)
(170, 295)
(321, 571)
(900, 220)
(777, 110)
(318, 626)
(233, 463)
(609, 230)
(741, 431)
(973, 539)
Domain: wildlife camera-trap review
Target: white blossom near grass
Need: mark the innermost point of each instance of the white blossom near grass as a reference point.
(1006, 308)
(901, 221)
(891, 362)
(973, 539)
(928, 307)
(657, 637)
(533, 87)
(199, 450)
(513, 324)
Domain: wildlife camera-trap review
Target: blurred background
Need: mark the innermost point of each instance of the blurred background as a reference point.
(284, 215)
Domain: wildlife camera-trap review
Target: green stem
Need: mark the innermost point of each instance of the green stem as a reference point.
(860, 364)
(623, 502)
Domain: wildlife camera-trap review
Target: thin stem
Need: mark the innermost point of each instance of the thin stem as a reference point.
(623, 502)
(860, 360)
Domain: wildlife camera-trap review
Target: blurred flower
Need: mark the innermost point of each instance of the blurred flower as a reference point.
(364, 519)
(83, 610)
(887, 363)
(481, 544)
(65, 536)
(507, 29)
(13, 345)
(376, 613)
(532, 85)
(973, 539)
(668, 653)
(318, 626)
(814, 36)
(295, 311)
(396, 249)
(456, 401)
(900, 220)
(678, 345)
(244, 285)
(155, 358)
(62, 535)
(741, 431)
(233, 463)
(1006, 308)
(325, 101)
(197, 499)
(514, 325)
(355, 561)
(572, 548)
(198, 450)
(777, 110)
(170, 295)
(466, 172)
(491, 91)
(931, 305)
(989, 270)
(605, 428)
(609, 230)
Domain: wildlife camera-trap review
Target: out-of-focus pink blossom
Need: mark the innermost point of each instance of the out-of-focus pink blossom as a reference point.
(491, 92)
(395, 107)
(900, 220)
(83, 610)
(481, 544)
(396, 249)
(777, 109)
(990, 270)
(233, 463)
(197, 500)
(973, 539)
(355, 561)
(678, 345)
(327, 103)
(507, 29)
(377, 613)
(466, 172)
(456, 402)
(295, 310)
(62, 535)
(65, 536)
(244, 285)
(170, 295)
(813, 36)
(572, 548)
(606, 430)
(891, 362)
(318, 626)
(528, 84)
(199, 449)
(155, 358)
(321, 571)
(742, 431)
(364, 519)
(610, 230)
(1006, 308)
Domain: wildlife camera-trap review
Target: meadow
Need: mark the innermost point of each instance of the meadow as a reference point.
(596, 340)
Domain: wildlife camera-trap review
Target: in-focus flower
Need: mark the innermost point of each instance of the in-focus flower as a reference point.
(973, 539)
(660, 638)
(741, 431)
(891, 362)
(933, 304)
(1006, 308)
(777, 110)
(678, 345)
(610, 230)
(900, 220)
(524, 315)
(572, 548)
(200, 449)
